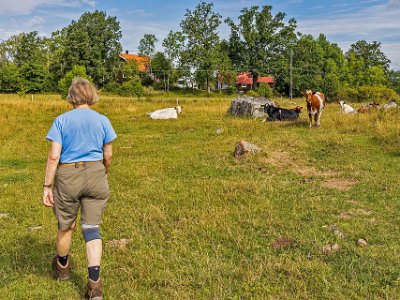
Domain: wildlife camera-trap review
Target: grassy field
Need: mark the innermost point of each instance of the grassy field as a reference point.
(201, 225)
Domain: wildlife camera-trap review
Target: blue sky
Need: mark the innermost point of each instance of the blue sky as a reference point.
(343, 22)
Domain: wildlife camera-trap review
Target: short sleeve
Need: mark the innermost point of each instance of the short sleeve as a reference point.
(110, 134)
(55, 132)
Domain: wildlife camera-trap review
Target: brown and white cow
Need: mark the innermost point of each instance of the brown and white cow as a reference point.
(315, 105)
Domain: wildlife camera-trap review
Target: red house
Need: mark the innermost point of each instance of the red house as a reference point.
(244, 81)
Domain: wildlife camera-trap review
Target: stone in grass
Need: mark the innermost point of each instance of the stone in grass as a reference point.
(35, 228)
(336, 230)
(219, 131)
(330, 249)
(284, 243)
(121, 244)
(362, 243)
(3, 215)
(244, 147)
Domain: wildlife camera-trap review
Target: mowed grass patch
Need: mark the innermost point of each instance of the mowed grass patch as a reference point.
(202, 225)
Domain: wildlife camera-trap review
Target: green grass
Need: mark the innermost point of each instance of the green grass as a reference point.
(201, 224)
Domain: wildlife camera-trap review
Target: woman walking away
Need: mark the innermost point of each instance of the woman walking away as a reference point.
(76, 176)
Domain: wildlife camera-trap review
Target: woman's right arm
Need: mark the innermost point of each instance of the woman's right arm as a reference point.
(107, 156)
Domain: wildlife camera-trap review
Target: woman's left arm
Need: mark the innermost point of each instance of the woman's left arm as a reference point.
(51, 167)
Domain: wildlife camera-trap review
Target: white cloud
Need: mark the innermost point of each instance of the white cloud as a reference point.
(25, 7)
(141, 13)
(375, 23)
(91, 3)
(35, 21)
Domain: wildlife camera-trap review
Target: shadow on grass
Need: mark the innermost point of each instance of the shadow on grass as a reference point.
(293, 124)
(31, 256)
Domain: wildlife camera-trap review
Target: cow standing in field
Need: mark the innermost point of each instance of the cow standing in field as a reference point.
(315, 105)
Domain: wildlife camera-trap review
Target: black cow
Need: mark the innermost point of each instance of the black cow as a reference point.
(282, 114)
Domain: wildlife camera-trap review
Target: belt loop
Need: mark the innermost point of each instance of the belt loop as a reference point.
(76, 165)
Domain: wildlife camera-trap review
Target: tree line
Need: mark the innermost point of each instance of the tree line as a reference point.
(260, 42)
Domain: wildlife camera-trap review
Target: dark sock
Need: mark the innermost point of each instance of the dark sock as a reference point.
(94, 273)
(63, 260)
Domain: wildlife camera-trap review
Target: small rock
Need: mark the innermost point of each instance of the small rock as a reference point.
(284, 244)
(3, 215)
(362, 243)
(121, 244)
(329, 249)
(336, 230)
(35, 228)
(244, 147)
(219, 131)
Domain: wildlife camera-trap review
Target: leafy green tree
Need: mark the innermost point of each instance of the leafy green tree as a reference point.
(370, 53)
(394, 80)
(66, 81)
(93, 42)
(226, 75)
(162, 69)
(147, 47)
(260, 41)
(199, 29)
(173, 46)
(9, 78)
(28, 52)
(375, 76)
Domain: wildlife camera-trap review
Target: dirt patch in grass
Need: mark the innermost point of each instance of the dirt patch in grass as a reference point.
(341, 184)
(284, 160)
(355, 212)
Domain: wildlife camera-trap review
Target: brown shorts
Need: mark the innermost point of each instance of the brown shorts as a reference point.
(83, 186)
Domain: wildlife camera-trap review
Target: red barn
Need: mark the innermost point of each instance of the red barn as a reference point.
(244, 81)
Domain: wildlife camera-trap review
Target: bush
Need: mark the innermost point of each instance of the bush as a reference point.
(252, 93)
(66, 81)
(112, 87)
(264, 90)
(368, 93)
(131, 88)
(348, 94)
(374, 93)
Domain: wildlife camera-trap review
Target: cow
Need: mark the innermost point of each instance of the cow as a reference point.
(366, 108)
(166, 113)
(315, 105)
(345, 108)
(281, 114)
(390, 105)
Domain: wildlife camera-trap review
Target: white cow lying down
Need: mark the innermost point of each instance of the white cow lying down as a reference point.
(166, 113)
(390, 105)
(345, 108)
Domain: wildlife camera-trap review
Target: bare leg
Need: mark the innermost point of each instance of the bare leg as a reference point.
(94, 250)
(64, 238)
(310, 116)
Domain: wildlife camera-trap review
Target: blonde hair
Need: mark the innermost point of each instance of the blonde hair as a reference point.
(82, 91)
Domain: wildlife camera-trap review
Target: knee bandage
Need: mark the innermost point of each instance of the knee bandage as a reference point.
(90, 232)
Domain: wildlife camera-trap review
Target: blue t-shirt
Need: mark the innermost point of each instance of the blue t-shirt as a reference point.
(82, 133)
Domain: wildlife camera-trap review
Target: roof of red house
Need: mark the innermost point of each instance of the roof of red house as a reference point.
(142, 61)
(247, 78)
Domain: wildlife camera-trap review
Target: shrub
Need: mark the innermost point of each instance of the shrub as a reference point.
(348, 94)
(368, 93)
(376, 93)
(264, 90)
(252, 93)
(66, 81)
(131, 88)
(112, 87)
